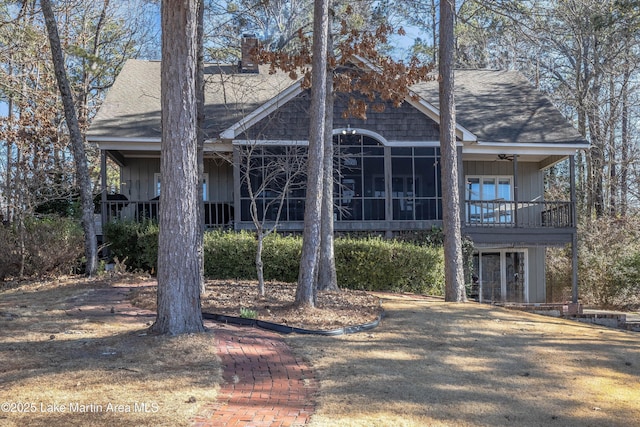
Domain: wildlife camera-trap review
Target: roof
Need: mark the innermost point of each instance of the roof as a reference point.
(502, 106)
(496, 106)
(131, 109)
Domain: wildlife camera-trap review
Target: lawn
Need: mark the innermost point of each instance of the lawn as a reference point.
(435, 363)
(428, 363)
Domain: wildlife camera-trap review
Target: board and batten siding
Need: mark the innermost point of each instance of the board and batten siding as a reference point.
(530, 179)
(138, 179)
(537, 282)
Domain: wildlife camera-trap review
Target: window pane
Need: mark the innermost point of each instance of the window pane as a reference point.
(245, 210)
(426, 177)
(473, 189)
(426, 209)
(374, 209)
(504, 189)
(488, 189)
(296, 210)
(401, 151)
(424, 151)
(373, 170)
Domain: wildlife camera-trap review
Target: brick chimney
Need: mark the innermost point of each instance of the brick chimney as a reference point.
(249, 44)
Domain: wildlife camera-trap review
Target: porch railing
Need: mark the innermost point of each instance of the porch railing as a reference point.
(506, 213)
(216, 214)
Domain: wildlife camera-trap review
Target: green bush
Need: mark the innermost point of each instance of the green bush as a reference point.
(51, 245)
(229, 255)
(376, 264)
(281, 258)
(135, 242)
(362, 263)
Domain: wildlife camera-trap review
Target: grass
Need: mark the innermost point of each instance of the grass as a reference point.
(442, 364)
(76, 371)
(428, 363)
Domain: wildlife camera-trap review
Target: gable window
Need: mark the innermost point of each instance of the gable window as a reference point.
(205, 185)
(489, 199)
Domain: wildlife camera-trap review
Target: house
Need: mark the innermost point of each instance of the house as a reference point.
(389, 181)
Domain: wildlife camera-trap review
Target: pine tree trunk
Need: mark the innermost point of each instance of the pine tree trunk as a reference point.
(327, 277)
(77, 141)
(200, 130)
(306, 290)
(454, 272)
(179, 258)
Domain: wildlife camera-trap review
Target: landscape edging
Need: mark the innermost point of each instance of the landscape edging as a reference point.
(284, 329)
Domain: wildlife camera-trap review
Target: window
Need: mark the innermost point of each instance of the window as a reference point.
(205, 185)
(415, 183)
(277, 182)
(411, 187)
(372, 182)
(489, 199)
(360, 193)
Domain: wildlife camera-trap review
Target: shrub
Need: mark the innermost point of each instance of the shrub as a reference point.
(9, 252)
(606, 260)
(281, 258)
(137, 242)
(627, 280)
(370, 264)
(229, 255)
(376, 264)
(51, 245)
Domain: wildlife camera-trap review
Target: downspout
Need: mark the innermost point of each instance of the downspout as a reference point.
(515, 189)
(461, 189)
(574, 234)
(103, 191)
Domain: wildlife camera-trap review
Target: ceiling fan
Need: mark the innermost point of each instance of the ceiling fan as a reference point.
(505, 157)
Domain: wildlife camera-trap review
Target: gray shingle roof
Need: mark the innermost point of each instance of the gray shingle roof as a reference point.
(131, 109)
(502, 106)
(496, 106)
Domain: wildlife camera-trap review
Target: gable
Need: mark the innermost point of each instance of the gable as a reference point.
(131, 109)
(290, 122)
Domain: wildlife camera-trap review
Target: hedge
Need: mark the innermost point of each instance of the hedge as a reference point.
(374, 264)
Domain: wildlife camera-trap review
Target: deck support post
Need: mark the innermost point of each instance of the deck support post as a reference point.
(574, 237)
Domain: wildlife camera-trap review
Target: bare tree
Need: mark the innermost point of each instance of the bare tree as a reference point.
(454, 272)
(77, 140)
(269, 175)
(179, 254)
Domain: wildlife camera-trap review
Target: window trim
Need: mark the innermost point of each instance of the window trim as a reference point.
(157, 178)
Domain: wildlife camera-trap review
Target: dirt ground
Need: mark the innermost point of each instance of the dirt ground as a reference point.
(335, 309)
(427, 363)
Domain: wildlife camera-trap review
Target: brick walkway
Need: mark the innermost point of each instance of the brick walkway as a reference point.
(264, 384)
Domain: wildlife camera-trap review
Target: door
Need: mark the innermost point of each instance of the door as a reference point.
(501, 275)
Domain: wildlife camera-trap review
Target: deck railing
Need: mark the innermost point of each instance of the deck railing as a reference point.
(216, 214)
(506, 213)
